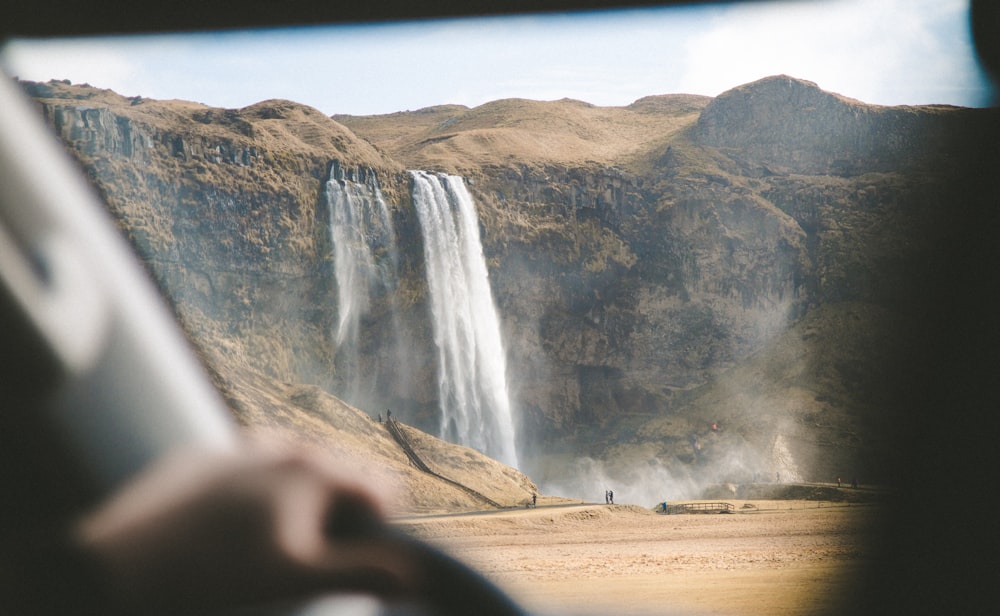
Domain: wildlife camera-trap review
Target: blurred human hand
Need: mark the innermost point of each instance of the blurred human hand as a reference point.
(201, 530)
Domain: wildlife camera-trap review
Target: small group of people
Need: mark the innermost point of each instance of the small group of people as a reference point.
(609, 497)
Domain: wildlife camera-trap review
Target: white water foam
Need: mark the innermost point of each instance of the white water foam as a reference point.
(472, 366)
(360, 225)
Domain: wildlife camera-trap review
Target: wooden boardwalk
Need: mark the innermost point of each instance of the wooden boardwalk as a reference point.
(716, 507)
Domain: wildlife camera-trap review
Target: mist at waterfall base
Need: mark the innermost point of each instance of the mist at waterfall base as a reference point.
(642, 483)
(649, 480)
(753, 444)
(475, 405)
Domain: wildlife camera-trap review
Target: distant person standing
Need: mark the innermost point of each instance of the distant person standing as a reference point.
(611, 497)
(607, 498)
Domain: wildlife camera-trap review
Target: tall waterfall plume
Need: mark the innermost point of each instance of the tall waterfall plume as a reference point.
(472, 370)
(364, 263)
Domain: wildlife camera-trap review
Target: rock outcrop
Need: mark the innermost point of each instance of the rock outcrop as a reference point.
(224, 206)
(782, 125)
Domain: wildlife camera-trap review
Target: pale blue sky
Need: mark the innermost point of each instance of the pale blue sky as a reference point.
(879, 51)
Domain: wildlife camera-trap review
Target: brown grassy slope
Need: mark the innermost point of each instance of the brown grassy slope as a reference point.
(513, 131)
(498, 482)
(366, 451)
(290, 127)
(394, 131)
(137, 147)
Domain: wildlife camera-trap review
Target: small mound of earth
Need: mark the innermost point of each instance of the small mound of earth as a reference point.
(791, 491)
(602, 512)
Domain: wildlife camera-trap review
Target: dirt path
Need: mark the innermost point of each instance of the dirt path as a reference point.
(782, 558)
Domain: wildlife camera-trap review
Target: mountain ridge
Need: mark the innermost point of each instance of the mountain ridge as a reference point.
(659, 267)
(507, 130)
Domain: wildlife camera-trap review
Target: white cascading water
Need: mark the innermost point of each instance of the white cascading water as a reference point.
(472, 370)
(360, 225)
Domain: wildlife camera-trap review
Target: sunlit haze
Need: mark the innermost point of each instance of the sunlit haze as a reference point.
(879, 51)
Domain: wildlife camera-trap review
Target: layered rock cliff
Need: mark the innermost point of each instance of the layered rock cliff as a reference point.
(716, 286)
(226, 207)
(754, 261)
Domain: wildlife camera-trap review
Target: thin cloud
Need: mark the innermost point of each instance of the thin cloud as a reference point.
(879, 51)
(90, 61)
(884, 51)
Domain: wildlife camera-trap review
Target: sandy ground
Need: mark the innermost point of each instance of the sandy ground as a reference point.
(770, 557)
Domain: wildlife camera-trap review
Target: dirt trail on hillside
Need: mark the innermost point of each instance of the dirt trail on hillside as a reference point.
(780, 558)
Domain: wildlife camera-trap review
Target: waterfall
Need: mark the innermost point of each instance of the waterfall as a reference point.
(472, 367)
(364, 261)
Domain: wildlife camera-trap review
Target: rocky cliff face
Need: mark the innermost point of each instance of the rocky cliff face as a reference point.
(226, 208)
(747, 261)
(755, 264)
(782, 125)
